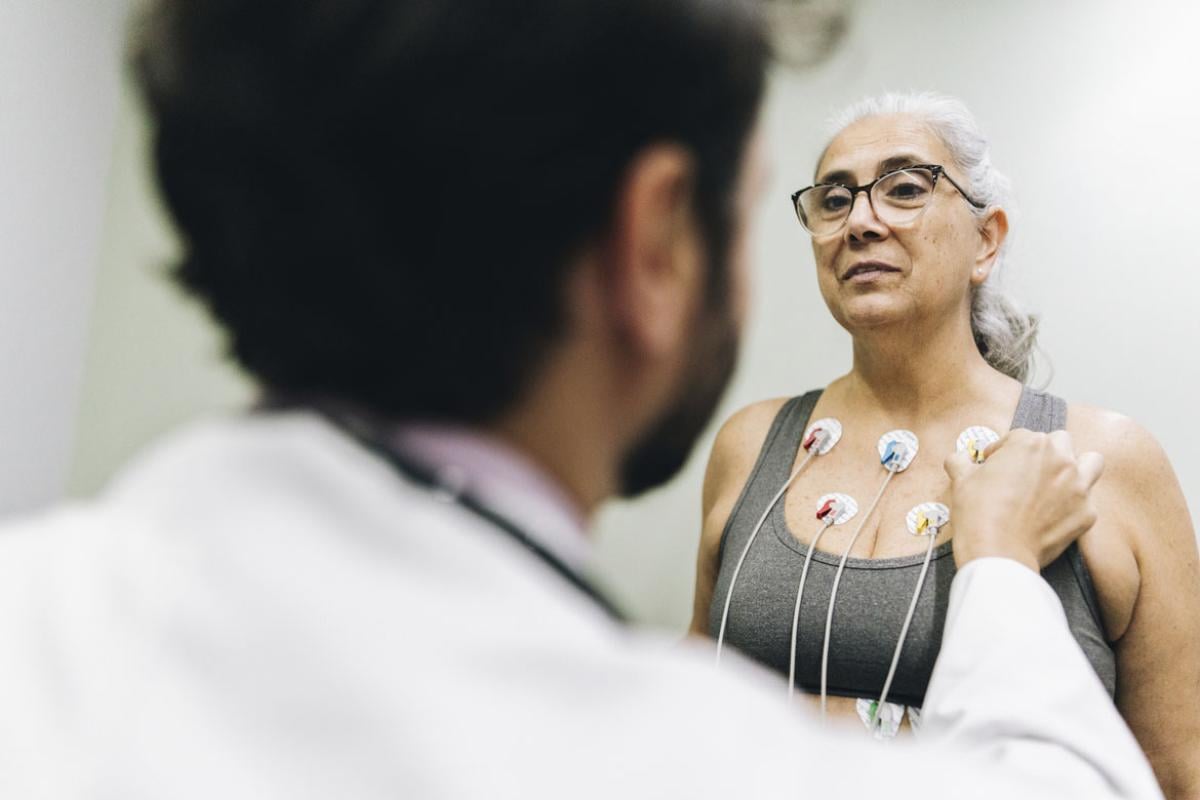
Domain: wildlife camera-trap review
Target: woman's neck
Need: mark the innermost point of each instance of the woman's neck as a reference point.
(920, 372)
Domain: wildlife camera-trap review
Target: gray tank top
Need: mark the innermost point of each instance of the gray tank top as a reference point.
(874, 594)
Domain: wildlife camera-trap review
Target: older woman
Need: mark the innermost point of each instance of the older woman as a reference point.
(908, 231)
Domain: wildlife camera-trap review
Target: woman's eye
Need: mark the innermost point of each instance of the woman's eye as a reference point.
(906, 191)
(834, 203)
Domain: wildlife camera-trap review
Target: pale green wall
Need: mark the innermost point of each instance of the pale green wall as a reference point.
(153, 359)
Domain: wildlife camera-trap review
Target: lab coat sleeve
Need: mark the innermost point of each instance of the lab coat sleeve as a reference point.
(1012, 687)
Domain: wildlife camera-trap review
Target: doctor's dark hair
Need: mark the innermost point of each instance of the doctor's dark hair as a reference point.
(380, 199)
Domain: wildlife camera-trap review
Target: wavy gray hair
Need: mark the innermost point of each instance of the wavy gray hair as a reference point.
(1004, 334)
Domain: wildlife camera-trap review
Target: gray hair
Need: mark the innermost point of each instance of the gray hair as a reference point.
(1004, 334)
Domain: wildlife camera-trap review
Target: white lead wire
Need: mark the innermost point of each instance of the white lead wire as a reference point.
(912, 608)
(799, 594)
(746, 549)
(837, 579)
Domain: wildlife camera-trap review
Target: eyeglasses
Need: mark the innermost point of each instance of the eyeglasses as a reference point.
(897, 198)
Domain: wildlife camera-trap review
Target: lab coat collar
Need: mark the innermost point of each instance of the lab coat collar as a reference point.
(505, 480)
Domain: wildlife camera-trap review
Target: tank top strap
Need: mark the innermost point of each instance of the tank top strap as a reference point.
(1045, 413)
(1040, 412)
(774, 463)
(787, 431)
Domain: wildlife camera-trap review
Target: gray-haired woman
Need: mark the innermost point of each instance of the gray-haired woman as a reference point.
(908, 231)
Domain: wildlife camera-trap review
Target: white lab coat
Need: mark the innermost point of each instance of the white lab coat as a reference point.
(259, 608)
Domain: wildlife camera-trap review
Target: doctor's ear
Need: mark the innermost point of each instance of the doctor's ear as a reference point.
(655, 255)
(993, 231)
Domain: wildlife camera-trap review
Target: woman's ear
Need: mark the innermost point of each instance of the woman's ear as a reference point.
(993, 230)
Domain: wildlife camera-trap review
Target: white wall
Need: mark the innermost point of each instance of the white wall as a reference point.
(58, 97)
(1087, 101)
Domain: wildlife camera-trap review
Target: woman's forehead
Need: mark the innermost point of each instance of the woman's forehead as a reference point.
(865, 148)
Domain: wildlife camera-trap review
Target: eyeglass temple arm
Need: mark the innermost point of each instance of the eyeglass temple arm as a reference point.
(961, 190)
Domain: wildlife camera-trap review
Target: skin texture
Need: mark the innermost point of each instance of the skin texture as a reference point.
(916, 366)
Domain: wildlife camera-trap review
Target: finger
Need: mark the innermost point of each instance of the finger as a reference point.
(1091, 467)
(958, 465)
(1016, 439)
(1060, 441)
(1080, 523)
(996, 445)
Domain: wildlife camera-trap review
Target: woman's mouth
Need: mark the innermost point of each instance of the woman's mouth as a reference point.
(867, 271)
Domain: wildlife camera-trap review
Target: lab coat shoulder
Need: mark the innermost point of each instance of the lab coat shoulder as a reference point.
(260, 602)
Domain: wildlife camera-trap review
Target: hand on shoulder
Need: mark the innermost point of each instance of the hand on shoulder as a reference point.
(1028, 502)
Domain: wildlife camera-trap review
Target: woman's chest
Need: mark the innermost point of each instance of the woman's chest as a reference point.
(884, 502)
(879, 529)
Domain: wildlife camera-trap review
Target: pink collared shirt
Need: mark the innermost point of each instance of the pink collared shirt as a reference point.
(503, 479)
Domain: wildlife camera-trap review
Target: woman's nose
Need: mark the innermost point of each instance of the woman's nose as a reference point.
(863, 225)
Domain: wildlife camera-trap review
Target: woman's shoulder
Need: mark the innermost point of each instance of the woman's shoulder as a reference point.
(1142, 515)
(1132, 455)
(748, 424)
(738, 442)
(1139, 484)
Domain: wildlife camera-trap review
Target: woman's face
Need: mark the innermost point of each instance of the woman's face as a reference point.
(872, 274)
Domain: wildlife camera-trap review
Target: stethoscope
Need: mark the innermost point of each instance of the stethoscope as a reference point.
(452, 491)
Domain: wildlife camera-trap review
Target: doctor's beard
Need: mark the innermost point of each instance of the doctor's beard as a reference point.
(662, 452)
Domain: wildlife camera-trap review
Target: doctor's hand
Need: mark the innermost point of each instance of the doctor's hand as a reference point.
(1028, 501)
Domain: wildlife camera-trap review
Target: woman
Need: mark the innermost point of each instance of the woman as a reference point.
(908, 231)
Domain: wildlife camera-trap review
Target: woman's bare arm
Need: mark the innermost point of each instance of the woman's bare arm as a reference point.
(733, 455)
(1158, 652)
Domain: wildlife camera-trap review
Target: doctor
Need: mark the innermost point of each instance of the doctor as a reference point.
(488, 261)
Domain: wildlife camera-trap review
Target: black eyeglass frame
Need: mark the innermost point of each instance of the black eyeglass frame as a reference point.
(937, 169)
